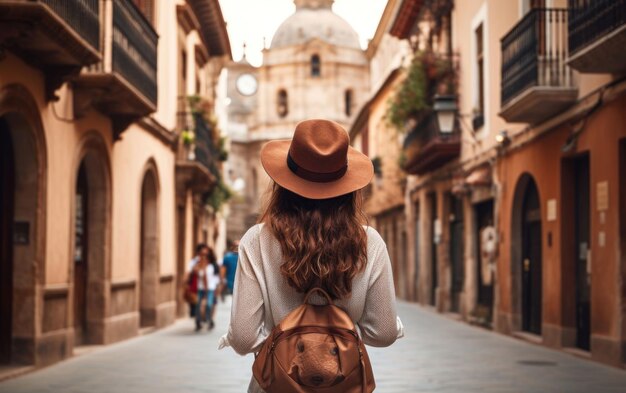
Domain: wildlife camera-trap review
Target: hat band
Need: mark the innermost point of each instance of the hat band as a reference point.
(315, 176)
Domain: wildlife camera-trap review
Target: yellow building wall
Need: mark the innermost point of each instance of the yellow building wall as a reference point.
(63, 135)
(130, 156)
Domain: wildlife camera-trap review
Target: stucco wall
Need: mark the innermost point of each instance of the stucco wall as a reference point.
(63, 135)
(130, 156)
(543, 160)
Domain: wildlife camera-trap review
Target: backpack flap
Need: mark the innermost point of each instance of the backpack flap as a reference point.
(314, 349)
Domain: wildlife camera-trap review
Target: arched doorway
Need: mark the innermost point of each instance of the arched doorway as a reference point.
(22, 216)
(527, 254)
(90, 268)
(149, 262)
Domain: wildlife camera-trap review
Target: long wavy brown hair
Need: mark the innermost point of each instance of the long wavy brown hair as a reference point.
(323, 241)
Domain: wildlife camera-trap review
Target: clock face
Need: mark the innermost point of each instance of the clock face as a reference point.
(247, 84)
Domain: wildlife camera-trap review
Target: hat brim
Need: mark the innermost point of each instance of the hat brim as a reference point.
(358, 175)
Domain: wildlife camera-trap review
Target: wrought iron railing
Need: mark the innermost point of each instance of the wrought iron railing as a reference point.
(205, 147)
(590, 20)
(428, 131)
(82, 15)
(534, 53)
(134, 52)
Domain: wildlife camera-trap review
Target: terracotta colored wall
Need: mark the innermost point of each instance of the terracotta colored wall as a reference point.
(602, 136)
(542, 159)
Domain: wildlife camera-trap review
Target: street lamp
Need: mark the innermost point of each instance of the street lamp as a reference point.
(503, 138)
(445, 108)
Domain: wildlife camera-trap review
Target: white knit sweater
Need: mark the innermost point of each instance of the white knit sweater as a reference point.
(262, 296)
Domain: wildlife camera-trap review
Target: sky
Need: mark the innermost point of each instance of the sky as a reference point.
(250, 20)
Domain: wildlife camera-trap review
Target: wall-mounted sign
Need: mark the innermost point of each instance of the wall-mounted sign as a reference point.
(551, 210)
(602, 196)
(21, 232)
(488, 244)
(437, 232)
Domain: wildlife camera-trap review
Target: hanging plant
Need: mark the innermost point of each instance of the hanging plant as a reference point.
(427, 75)
(188, 137)
(222, 152)
(220, 194)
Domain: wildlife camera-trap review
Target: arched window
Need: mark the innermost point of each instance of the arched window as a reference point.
(316, 66)
(348, 102)
(282, 104)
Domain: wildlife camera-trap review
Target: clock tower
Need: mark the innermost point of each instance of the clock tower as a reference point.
(314, 68)
(242, 92)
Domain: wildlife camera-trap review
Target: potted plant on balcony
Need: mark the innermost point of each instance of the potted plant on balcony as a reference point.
(188, 137)
(428, 74)
(220, 194)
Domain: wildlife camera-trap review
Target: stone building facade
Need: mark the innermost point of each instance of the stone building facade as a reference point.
(92, 182)
(314, 68)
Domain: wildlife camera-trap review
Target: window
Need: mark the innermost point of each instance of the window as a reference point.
(348, 102)
(282, 107)
(316, 66)
(479, 110)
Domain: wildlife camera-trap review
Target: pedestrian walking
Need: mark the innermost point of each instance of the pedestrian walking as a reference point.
(190, 281)
(229, 267)
(311, 236)
(204, 268)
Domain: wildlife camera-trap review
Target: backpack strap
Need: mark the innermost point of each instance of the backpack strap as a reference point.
(317, 289)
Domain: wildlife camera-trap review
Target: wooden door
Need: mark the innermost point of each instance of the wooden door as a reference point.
(484, 219)
(457, 269)
(434, 249)
(581, 252)
(7, 193)
(80, 256)
(531, 261)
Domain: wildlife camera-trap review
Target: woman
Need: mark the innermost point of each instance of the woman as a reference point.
(311, 235)
(207, 278)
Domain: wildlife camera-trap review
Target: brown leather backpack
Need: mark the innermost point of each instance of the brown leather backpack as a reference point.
(314, 349)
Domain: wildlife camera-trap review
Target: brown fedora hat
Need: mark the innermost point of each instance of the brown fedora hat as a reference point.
(318, 163)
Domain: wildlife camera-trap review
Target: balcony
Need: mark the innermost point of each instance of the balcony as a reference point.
(196, 166)
(57, 36)
(428, 148)
(536, 82)
(124, 85)
(597, 35)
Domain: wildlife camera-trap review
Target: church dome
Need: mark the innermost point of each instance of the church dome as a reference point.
(315, 19)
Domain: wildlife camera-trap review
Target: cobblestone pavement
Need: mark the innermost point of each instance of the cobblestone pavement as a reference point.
(437, 355)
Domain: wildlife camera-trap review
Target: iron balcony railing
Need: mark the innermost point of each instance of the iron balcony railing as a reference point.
(590, 20)
(427, 131)
(534, 53)
(205, 148)
(82, 15)
(427, 148)
(134, 52)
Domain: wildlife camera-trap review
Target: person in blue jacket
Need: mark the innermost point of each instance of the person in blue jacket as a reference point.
(229, 267)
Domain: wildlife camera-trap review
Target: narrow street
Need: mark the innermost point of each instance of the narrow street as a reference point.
(437, 355)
